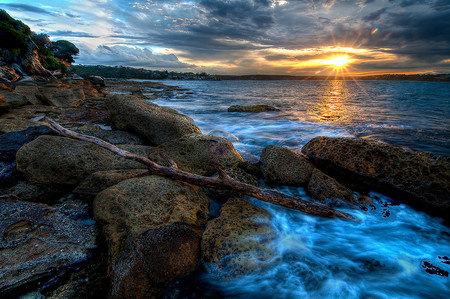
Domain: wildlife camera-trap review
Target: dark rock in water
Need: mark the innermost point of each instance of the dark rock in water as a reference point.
(239, 241)
(101, 180)
(198, 154)
(10, 143)
(252, 108)
(417, 178)
(39, 241)
(157, 124)
(64, 161)
(284, 167)
(154, 259)
(96, 80)
(136, 205)
(327, 190)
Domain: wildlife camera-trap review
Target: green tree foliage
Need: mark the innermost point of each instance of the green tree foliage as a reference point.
(13, 34)
(65, 50)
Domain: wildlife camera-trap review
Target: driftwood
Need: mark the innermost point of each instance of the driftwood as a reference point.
(224, 181)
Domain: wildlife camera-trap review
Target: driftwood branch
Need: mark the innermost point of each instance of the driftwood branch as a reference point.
(222, 182)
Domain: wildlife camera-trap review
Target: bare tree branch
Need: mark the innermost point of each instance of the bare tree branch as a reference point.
(221, 182)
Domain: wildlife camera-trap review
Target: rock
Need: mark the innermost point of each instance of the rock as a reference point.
(5, 84)
(31, 93)
(24, 191)
(252, 108)
(156, 124)
(100, 180)
(418, 178)
(4, 107)
(239, 241)
(199, 154)
(8, 73)
(18, 124)
(33, 112)
(96, 80)
(327, 190)
(83, 115)
(62, 96)
(30, 61)
(14, 99)
(10, 143)
(154, 259)
(39, 242)
(284, 167)
(119, 137)
(64, 161)
(134, 206)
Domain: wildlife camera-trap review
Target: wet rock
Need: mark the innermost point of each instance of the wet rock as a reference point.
(199, 154)
(418, 178)
(252, 108)
(327, 190)
(64, 161)
(62, 96)
(101, 180)
(134, 206)
(156, 124)
(97, 80)
(239, 241)
(39, 241)
(18, 124)
(281, 166)
(154, 259)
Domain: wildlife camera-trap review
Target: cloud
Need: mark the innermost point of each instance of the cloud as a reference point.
(64, 33)
(129, 56)
(375, 15)
(26, 8)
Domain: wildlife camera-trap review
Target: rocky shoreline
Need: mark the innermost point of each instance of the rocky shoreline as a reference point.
(76, 217)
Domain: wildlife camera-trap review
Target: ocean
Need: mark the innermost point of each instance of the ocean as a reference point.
(381, 257)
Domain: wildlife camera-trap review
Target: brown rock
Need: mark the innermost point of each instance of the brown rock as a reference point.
(14, 99)
(154, 259)
(156, 124)
(18, 124)
(31, 93)
(327, 190)
(281, 166)
(199, 154)
(136, 205)
(239, 241)
(419, 178)
(64, 161)
(62, 96)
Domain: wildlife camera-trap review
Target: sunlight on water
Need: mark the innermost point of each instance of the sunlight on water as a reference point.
(381, 257)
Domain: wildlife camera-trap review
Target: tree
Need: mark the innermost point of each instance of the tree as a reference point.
(64, 50)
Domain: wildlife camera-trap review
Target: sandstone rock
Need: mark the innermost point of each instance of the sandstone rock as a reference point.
(33, 112)
(24, 191)
(18, 124)
(154, 259)
(100, 180)
(62, 96)
(239, 241)
(134, 206)
(5, 84)
(419, 178)
(156, 124)
(4, 107)
(96, 80)
(327, 190)
(199, 154)
(64, 161)
(14, 99)
(119, 137)
(252, 108)
(281, 166)
(83, 115)
(30, 61)
(39, 241)
(31, 93)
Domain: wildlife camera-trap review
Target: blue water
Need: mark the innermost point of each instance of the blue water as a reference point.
(381, 257)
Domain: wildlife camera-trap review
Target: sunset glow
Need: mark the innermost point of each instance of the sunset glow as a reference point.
(338, 61)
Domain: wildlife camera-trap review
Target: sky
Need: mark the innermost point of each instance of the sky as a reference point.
(287, 37)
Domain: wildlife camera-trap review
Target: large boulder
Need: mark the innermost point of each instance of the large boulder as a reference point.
(31, 93)
(14, 99)
(418, 178)
(327, 190)
(154, 259)
(40, 242)
(281, 166)
(134, 206)
(198, 154)
(64, 161)
(239, 241)
(62, 96)
(157, 124)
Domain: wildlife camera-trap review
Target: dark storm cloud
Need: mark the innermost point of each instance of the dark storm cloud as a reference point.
(71, 33)
(26, 7)
(375, 15)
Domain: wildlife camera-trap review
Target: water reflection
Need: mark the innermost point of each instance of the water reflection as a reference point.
(332, 106)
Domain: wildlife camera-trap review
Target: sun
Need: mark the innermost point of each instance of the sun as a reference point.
(338, 62)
